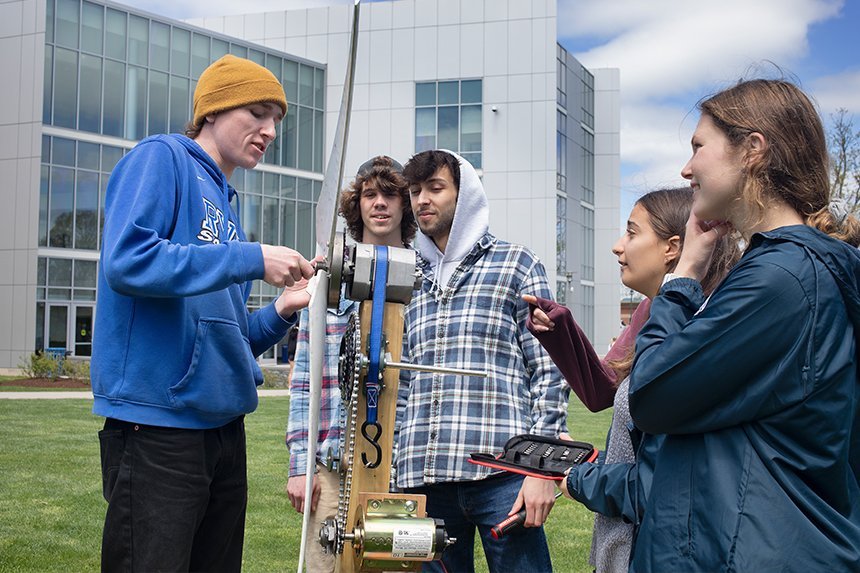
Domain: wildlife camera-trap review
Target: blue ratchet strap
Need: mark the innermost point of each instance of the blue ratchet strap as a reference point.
(380, 279)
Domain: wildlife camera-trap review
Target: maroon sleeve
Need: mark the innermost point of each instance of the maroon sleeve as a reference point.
(628, 338)
(589, 377)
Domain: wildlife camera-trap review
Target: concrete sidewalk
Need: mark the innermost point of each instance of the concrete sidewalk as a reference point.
(87, 395)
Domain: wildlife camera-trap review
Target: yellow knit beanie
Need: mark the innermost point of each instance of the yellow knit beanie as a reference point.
(232, 82)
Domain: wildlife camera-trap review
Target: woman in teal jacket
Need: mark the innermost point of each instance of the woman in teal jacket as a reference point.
(756, 388)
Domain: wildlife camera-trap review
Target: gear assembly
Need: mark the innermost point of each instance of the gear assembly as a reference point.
(375, 530)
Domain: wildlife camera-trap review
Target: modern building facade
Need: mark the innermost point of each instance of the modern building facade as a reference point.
(88, 79)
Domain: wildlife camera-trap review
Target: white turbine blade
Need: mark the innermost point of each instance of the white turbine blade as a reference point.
(326, 227)
(316, 343)
(326, 213)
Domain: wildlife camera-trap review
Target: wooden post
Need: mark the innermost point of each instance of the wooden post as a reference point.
(376, 480)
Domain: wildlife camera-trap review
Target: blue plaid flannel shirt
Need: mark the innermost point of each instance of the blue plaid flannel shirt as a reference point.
(330, 402)
(477, 321)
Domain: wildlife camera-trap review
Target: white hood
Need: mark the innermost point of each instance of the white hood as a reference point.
(471, 222)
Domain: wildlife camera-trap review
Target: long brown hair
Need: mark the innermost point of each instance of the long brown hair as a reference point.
(794, 165)
(389, 181)
(668, 211)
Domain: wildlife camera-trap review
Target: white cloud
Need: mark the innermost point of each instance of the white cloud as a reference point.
(673, 52)
(837, 91)
(673, 47)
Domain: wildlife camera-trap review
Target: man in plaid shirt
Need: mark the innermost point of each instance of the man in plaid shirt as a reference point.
(469, 313)
(376, 209)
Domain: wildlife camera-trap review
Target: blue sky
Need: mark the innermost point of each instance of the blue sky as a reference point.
(671, 53)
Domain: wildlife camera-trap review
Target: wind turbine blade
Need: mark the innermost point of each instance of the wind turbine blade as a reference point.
(316, 344)
(326, 213)
(326, 227)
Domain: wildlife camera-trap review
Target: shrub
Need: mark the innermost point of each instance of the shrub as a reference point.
(276, 378)
(77, 369)
(41, 365)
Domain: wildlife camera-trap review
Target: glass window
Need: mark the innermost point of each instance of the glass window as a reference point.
(473, 158)
(68, 23)
(57, 324)
(85, 274)
(158, 98)
(61, 204)
(288, 222)
(425, 129)
(40, 326)
(448, 128)
(115, 34)
(135, 105)
(65, 88)
(270, 184)
(270, 221)
(470, 91)
(287, 188)
(449, 93)
(46, 149)
(114, 98)
(257, 56)
(48, 90)
(319, 88)
(291, 81)
(425, 93)
(254, 182)
(306, 85)
(138, 40)
(92, 28)
(88, 155)
(306, 134)
(44, 185)
(159, 46)
(443, 122)
(199, 54)
(49, 21)
(290, 137)
(220, 48)
(110, 157)
(275, 65)
(179, 104)
(304, 228)
(251, 213)
(63, 151)
(470, 128)
(240, 51)
(89, 115)
(318, 141)
(304, 189)
(180, 52)
(86, 210)
(561, 234)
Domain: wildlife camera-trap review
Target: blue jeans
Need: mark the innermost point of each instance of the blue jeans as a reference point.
(484, 503)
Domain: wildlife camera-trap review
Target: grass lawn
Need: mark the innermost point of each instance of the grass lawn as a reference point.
(52, 510)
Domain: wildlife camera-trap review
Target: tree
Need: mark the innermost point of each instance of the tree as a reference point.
(844, 147)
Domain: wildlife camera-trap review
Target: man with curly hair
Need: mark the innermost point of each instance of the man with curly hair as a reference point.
(377, 211)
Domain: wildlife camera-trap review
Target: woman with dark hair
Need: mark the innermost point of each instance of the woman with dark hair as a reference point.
(755, 389)
(647, 251)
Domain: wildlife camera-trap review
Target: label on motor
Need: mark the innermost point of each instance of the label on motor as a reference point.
(412, 544)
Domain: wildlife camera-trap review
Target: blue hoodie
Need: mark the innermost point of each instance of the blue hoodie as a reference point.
(174, 344)
(757, 395)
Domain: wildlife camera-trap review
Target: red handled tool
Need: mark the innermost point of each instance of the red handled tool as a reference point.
(511, 523)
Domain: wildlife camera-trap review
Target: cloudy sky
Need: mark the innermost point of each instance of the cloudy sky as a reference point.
(671, 53)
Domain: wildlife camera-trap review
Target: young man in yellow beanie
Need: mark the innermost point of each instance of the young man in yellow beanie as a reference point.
(174, 369)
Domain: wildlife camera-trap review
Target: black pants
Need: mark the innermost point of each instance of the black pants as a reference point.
(176, 498)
